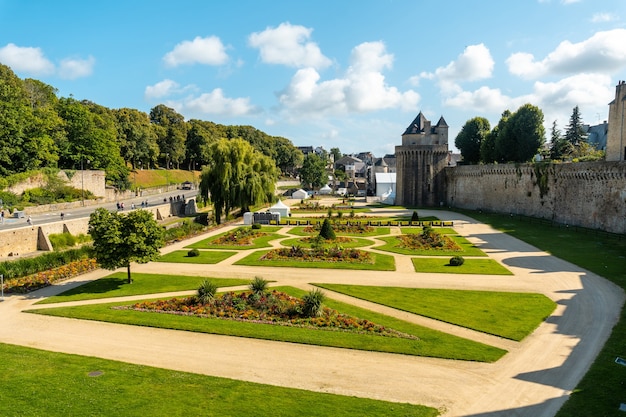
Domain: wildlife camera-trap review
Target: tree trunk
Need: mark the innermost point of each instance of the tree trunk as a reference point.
(128, 272)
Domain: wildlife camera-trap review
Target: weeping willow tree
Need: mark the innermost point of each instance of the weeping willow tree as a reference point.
(238, 176)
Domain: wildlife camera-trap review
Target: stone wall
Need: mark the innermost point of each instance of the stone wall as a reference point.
(587, 194)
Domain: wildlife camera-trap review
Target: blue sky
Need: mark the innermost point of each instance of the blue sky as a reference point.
(347, 74)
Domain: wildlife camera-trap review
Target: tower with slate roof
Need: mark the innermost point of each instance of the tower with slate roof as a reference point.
(420, 162)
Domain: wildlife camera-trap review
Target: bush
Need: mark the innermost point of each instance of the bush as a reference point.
(456, 261)
(256, 226)
(313, 303)
(327, 231)
(258, 285)
(206, 292)
(415, 217)
(28, 266)
(193, 253)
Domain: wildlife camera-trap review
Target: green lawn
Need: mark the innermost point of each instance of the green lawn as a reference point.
(468, 249)
(258, 243)
(355, 242)
(470, 266)
(116, 285)
(431, 343)
(381, 263)
(509, 315)
(205, 257)
(41, 383)
(601, 390)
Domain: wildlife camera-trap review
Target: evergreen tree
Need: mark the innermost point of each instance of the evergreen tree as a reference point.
(575, 131)
(327, 231)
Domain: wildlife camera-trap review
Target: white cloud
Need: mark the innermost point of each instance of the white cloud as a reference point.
(207, 51)
(362, 89)
(603, 17)
(76, 68)
(161, 89)
(603, 52)
(483, 100)
(215, 103)
(288, 45)
(26, 59)
(475, 63)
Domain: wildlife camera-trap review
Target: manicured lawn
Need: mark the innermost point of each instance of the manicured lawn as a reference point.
(601, 390)
(430, 343)
(258, 243)
(205, 257)
(470, 266)
(509, 315)
(355, 242)
(115, 285)
(381, 263)
(468, 249)
(41, 383)
(378, 231)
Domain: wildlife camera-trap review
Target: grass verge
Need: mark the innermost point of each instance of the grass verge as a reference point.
(381, 263)
(85, 386)
(431, 343)
(509, 315)
(470, 266)
(115, 285)
(205, 257)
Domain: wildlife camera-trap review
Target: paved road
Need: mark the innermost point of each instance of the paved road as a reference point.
(533, 379)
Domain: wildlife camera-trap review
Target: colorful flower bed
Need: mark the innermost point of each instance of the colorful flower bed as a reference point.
(39, 280)
(320, 254)
(430, 241)
(273, 307)
(238, 237)
(353, 228)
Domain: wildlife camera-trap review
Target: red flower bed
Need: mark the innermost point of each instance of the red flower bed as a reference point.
(268, 308)
(238, 237)
(334, 254)
(433, 241)
(39, 280)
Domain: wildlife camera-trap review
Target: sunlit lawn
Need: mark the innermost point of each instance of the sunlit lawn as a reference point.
(204, 257)
(41, 383)
(381, 262)
(470, 266)
(116, 285)
(510, 315)
(430, 343)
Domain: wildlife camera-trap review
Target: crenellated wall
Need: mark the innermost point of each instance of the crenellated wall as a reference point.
(587, 194)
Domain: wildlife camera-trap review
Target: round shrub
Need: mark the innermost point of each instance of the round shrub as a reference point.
(256, 226)
(456, 261)
(193, 253)
(327, 231)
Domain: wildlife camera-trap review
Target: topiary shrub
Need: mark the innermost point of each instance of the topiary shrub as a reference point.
(415, 217)
(193, 253)
(256, 226)
(327, 231)
(456, 261)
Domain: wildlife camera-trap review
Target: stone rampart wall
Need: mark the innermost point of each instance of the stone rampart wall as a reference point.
(587, 194)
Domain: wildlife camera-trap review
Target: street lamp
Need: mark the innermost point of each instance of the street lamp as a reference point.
(82, 180)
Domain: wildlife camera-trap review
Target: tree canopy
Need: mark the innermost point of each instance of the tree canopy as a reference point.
(237, 176)
(470, 138)
(313, 171)
(120, 239)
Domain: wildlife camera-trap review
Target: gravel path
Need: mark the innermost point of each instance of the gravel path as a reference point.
(533, 379)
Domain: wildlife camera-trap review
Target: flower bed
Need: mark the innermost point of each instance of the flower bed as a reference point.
(238, 237)
(333, 254)
(273, 307)
(428, 241)
(39, 280)
(351, 228)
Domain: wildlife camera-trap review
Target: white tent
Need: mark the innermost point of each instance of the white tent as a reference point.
(300, 194)
(325, 189)
(280, 208)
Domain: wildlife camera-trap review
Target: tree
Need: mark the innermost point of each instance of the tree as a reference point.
(336, 153)
(559, 146)
(327, 232)
(469, 139)
(575, 131)
(313, 171)
(171, 134)
(120, 239)
(522, 136)
(137, 138)
(237, 176)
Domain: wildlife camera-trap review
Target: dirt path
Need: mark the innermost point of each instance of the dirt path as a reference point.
(532, 380)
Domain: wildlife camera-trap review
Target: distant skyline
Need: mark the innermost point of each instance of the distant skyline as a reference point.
(344, 74)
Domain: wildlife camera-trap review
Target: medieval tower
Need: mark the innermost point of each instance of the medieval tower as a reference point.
(420, 162)
(616, 138)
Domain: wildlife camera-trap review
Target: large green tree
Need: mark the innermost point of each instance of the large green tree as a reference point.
(313, 172)
(575, 131)
(470, 138)
(237, 176)
(522, 136)
(171, 132)
(137, 138)
(121, 239)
